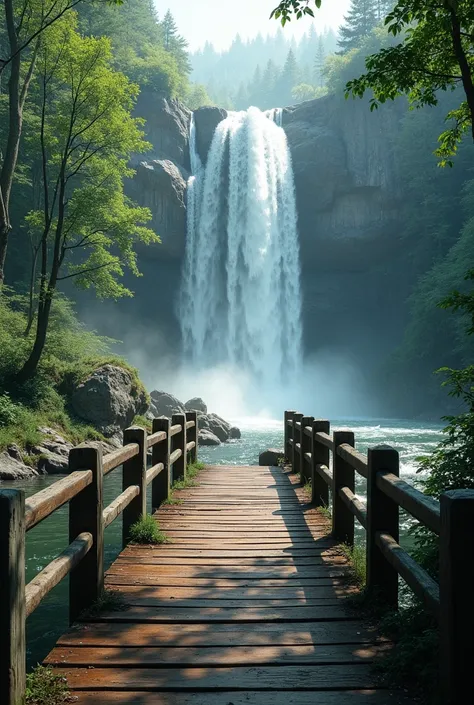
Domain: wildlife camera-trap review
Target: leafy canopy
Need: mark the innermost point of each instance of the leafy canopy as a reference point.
(435, 52)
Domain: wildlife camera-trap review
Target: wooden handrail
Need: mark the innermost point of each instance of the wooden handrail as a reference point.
(84, 557)
(113, 460)
(452, 519)
(40, 505)
(54, 572)
(155, 438)
(419, 505)
(116, 507)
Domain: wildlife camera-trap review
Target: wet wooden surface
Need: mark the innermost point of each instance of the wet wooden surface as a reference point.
(246, 604)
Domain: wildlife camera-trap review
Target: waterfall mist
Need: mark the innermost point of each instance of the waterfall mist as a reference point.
(240, 300)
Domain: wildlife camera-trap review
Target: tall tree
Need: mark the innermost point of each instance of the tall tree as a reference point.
(86, 228)
(22, 22)
(175, 43)
(358, 23)
(319, 61)
(288, 79)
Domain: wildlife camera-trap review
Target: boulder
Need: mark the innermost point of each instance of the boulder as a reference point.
(272, 456)
(219, 427)
(51, 463)
(164, 404)
(196, 404)
(108, 399)
(13, 469)
(206, 120)
(207, 438)
(234, 433)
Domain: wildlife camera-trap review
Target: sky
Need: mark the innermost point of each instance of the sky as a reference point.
(220, 20)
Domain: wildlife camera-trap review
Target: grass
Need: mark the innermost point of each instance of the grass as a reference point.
(356, 555)
(143, 422)
(109, 601)
(43, 687)
(192, 471)
(147, 531)
(325, 511)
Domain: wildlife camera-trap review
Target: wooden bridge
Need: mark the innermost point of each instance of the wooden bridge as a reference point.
(248, 602)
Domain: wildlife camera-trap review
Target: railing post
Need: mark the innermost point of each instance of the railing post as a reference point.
(382, 515)
(288, 433)
(305, 448)
(456, 583)
(134, 473)
(160, 486)
(86, 581)
(296, 455)
(320, 455)
(343, 475)
(192, 435)
(179, 441)
(12, 597)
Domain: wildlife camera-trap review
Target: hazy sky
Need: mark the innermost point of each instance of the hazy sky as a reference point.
(219, 20)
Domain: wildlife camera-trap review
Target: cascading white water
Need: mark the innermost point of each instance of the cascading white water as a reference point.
(240, 298)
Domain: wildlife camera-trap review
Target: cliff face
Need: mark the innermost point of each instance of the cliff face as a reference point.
(347, 190)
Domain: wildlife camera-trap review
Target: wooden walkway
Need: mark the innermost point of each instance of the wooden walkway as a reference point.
(245, 605)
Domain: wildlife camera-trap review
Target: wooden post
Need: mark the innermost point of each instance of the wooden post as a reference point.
(288, 433)
(192, 435)
(86, 582)
(160, 453)
(382, 515)
(134, 473)
(343, 475)
(305, 448)
(319, 456)
(456, 585)
(12, 597)
(296, 455)
(179, 441)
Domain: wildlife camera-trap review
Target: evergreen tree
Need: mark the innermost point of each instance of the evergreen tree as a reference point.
(319, 61)
(382, 8)
(269, 81)
(358, 23)
(288, 79)
(175, 43)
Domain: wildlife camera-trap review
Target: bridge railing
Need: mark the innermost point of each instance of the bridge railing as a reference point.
(172, 445)
(310, 447)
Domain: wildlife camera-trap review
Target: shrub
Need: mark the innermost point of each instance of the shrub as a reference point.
(44, 687)
(147, 531)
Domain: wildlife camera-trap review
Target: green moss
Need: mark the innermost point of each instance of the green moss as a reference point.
(44, 687)
(172, 502)
(143, 422)
(147, 531)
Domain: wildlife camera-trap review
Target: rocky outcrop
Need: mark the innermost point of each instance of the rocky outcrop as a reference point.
(207, 438)
(212, 429)
(108, 399)
(196, 404)
(271, 457)
(12, 468)
(166, 128)
(164, 404)
(206, 120)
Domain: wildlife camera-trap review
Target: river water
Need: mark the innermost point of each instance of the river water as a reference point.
(49, 538)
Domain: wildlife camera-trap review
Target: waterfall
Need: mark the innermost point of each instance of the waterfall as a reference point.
(240, 294)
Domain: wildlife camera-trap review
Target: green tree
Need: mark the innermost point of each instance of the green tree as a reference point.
(175, 43)
(435, 53)
(358, 23)
(197, 97)
(303, 91)
(22, 24)
(319, 61)
(86, 228)
(288, 79)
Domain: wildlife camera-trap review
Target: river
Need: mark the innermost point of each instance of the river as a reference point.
(49, 538)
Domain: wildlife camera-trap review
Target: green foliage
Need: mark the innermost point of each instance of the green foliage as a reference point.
(147, 531)
(109, 601)
(325, 511)
(44, 687)
(356, 555)
(358, 24)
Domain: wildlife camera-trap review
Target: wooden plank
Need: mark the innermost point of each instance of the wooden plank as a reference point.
(237, 678)
(324, 578)
(225, 635)
(221, 614)
(116, 507)
(211, 657)
(118, 457)
(242, 572)
(295, 697)
(193, 560)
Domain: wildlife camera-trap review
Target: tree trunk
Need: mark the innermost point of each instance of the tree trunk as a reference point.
(31, 365)
(460, 53)
(4, 230)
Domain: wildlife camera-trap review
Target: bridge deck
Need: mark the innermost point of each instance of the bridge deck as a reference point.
(246, 605)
